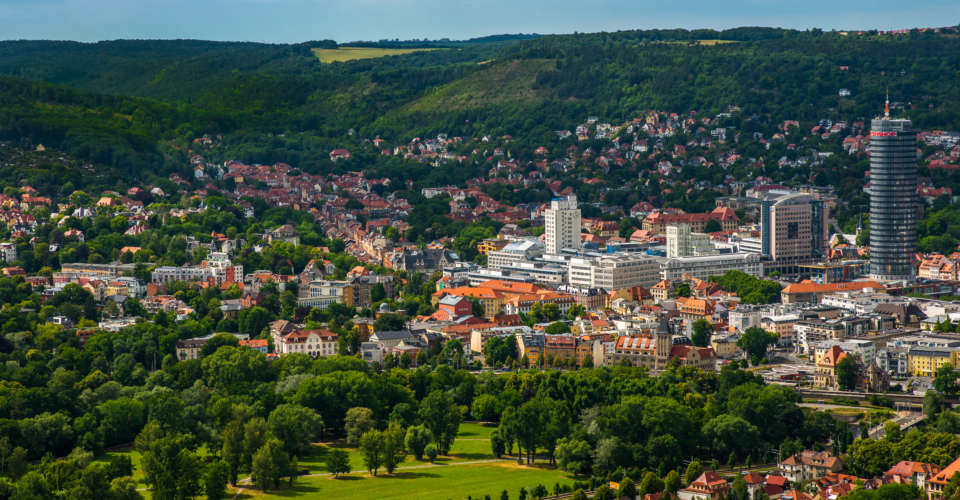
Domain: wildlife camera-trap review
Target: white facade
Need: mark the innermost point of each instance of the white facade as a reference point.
(683, 243)
(860, 303)
(562, 221)
(711, 265)
(617, 272)
(323, 293)
(9, 251)
(863, 349)
(167, 274)
(518, 251)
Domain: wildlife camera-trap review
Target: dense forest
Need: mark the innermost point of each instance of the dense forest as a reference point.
(184, 89)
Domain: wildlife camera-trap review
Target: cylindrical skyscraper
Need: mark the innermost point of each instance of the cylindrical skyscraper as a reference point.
(893, 199)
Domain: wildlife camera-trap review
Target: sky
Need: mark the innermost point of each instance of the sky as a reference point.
(293, 21)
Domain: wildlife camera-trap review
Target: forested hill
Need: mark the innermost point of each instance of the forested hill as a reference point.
(174, 91)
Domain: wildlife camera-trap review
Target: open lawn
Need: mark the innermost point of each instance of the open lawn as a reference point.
(350, 53)
(441, 482)
(472, 444)
(105, 457)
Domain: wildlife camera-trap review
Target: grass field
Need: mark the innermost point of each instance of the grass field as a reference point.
(350, 53)
(472, 444)
(435, 483)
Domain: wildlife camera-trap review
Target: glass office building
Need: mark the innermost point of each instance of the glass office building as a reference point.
(893, 199)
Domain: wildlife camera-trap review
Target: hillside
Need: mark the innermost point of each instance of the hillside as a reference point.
(492, 84)
(529, 88)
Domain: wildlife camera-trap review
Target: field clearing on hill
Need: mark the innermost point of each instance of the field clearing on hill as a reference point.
(350, 53)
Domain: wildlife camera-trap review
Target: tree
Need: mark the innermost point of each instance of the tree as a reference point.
(683, 290)
(371, 448)
(891, 431)
(712, 226)
(732, 461)
(754, 342)
(265, 471)
(215, 477)
(730, 434)
(672, 482)
(945, 380)
(378, 293)
(485, 408)
(441, 417)
(740, 487)
(539, 491)
(357, 422)
(556, 328)
(702, 331)
(295, 426)
(171, 470)
(338, 462)
(497, 444)
(477, 308)
(627, 489)
(417, 439)
(846, 373)
(694, 470)
(254, 437)
(578, 494)
(575, 310)
(603, 492)
(573, 455)
(394, 450)
(431, 452)
(233, 437)
(931, 404)
(650, 484)
(18, 465)
(389, 322)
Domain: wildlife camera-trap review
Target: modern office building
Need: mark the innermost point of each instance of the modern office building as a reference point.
(562, 221)
(793, 232)
(614, 272)
(515, 252)
(709, 265)
(682, 242)
(893, 199)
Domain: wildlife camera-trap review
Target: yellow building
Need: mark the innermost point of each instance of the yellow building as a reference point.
(118, 288)
(322, 293)
(725, 348)
(924, 361)
(491, 245)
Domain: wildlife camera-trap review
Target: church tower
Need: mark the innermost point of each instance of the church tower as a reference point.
(664, 343)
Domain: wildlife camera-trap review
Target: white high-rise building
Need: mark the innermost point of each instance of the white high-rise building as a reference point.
(562, 222)
(683, 243)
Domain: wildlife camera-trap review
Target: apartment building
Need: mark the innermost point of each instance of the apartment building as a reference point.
(562, 225)
(322, 293)
(167, 274)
